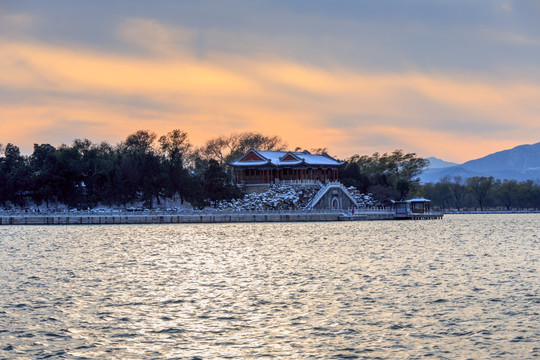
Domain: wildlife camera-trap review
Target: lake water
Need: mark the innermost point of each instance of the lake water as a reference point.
(467, 286)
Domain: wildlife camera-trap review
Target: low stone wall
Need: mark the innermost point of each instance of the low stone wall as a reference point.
(164, 219)
(380, 216)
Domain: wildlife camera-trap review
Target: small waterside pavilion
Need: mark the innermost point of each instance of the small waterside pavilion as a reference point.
(416, 209)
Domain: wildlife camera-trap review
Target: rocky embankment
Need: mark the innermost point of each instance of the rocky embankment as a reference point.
(286, 197)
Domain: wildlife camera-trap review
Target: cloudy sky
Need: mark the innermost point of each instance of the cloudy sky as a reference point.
(454, 79)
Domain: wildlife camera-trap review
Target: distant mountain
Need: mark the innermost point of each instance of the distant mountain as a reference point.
(520, 163)
(435, 163)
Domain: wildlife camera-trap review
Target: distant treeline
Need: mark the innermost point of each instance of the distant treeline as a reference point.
(392, 177)
(150, 169)
(482, 193)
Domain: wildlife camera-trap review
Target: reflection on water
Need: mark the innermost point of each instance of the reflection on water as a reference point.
(461, 287)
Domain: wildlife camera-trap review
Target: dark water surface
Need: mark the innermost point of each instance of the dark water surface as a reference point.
(467, 286)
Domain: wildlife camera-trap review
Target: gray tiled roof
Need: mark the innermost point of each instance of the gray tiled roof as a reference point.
(276, 158)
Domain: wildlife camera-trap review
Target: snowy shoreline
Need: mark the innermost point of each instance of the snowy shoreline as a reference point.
(227, 211)
(215, 217)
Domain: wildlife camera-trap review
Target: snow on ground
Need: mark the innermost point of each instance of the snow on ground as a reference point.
(363, 200)
(285, 197)
(278, 197)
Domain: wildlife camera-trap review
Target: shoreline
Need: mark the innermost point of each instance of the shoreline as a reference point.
(124, 218)
(478, 212)
(200, 218)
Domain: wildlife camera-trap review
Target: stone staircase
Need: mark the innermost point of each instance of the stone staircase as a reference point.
(327, 187)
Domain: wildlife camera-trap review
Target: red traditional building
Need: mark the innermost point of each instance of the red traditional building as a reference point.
(269, 167)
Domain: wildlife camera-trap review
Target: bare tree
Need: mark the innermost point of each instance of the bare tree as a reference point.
(225, 149)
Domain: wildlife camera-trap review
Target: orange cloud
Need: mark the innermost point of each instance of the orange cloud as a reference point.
(340, 108)
(46, 68)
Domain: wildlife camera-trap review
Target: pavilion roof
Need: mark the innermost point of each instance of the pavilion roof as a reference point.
(284, 158)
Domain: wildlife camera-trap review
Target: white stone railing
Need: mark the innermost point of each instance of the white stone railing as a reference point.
(373, 209)
(317, 197)
(323, 191)
(207, 211)
(298, 182)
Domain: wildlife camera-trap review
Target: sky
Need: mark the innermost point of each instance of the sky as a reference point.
(454, 79)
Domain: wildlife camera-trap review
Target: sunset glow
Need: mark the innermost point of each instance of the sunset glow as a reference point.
(162, 73)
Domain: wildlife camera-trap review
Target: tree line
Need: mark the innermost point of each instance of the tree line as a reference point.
(482, 193)
(144, 168)
(150, 170)
(394, 176)
(390, 176)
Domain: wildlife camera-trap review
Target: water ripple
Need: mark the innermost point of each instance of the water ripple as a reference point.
(462, 287)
